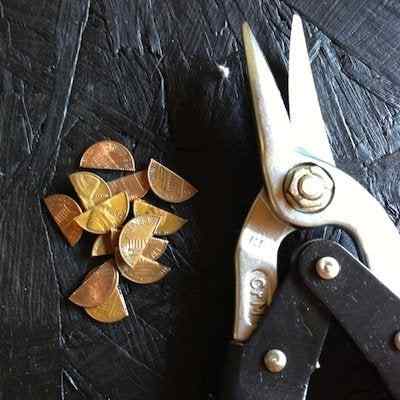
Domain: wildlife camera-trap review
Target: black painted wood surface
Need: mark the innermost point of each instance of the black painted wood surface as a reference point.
(167, 78)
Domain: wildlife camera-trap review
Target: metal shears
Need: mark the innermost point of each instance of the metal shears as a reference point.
(303, 188)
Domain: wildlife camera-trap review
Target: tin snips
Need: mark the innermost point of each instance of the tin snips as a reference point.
(280, 328)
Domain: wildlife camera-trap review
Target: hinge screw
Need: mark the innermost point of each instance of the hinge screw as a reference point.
(396, 341)
(308, 188)
(275, 360)
(327, 268)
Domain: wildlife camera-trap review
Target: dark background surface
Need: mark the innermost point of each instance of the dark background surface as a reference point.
(150, 73)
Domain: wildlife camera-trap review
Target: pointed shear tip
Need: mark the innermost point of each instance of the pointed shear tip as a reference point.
(252, 49)
(245, 28)
(297, 19)
(247, 34)
(297, 26)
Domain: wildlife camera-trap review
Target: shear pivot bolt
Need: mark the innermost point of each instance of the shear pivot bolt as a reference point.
(311, 187)
(397, 341)
(327, 268)
(275, 361)
(308, 188)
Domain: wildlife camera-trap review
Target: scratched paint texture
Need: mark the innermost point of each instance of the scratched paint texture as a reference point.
(166, 78)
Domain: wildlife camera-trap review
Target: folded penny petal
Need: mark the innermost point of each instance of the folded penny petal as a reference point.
(102, 246)
(90, 188)
(135, 236)
(135, 185)
(144, 271)
(167, 185)
(105, 244)
(97, 286)
(169, 223)
(155, 248)
(105, 216)
(64, 209)
(112, 310)
(108, 154)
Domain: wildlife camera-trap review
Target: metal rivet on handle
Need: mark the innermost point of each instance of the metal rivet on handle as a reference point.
(327, 268)
(275, 360)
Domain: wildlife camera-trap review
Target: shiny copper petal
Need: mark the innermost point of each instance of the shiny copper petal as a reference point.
(135, 236)
(90, 188)
(112, 310)
(102, 246)
(144, 271)
(97, 287)
(167, 185)
(64, 209)
(169, 223)
(105, 216)
(108, 154)
(155, 248)
(105, 244)
(135, 185)
(114, 237)
(141, 176)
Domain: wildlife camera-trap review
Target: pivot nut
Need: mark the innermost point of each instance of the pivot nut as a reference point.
(308, 188)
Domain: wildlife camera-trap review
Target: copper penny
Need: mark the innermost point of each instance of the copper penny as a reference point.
(105, 244)
(105, 216)
(169, 223)
(167, 185)
(112, 310)
(102, 246)
(135, 236)
(144, 271)
(90, 188)
(97, 286)
(135, 185)
(64, 209)
(108, 154)
(114, 237)
(155, 248)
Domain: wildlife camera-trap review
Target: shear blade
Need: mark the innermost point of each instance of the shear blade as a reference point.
(305, 113)
(274, 132)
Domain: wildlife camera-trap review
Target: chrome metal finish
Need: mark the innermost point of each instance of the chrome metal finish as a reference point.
(256, 265)
(308, 188)
(327, 268)
(282, 150)
(305, 113)
(275, 361)
(396, 341)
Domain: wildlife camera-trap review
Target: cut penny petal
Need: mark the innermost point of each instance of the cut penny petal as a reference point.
(135, 185)
(169, 223)
(64, 209)
(167, 185)
(135, 236)
(141, 176)
(105, 244)
(90, 188)
(114, 237)
(97, 287)
(102, 246)
(112, 310)
(155, 248)
(108, 154)
(144, 271)
(105, 216)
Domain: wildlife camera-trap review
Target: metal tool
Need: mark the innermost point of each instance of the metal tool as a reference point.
(302, 189)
